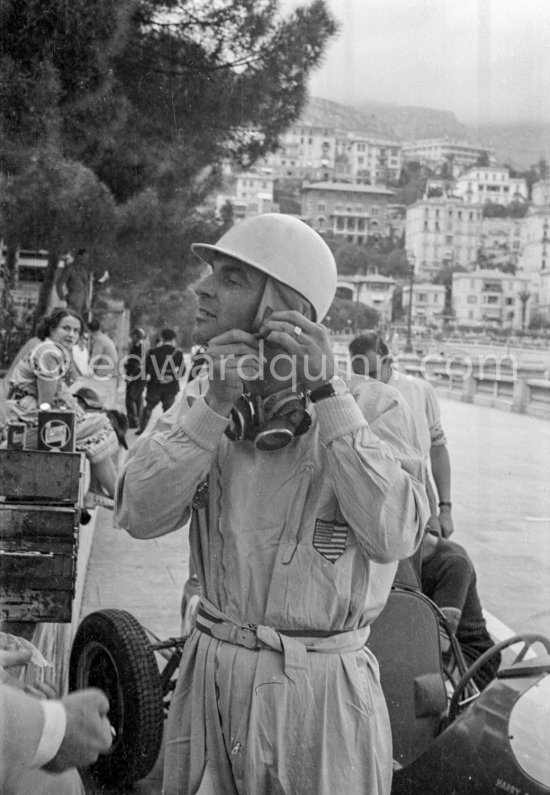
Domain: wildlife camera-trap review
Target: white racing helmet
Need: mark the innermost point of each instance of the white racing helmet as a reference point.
(284, 248)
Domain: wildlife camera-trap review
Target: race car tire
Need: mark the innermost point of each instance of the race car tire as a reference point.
(527, 639)
(111, 651)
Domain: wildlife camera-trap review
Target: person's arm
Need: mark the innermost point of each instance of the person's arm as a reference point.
(441, 470)
(384, 505)
(60, 282)
(54, 734)
(159, 480)
(440, 462)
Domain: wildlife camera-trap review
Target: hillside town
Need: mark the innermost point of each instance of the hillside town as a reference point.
(464, 248)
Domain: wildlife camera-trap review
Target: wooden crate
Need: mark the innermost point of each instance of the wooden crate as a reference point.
(37, 476)
(38, 546)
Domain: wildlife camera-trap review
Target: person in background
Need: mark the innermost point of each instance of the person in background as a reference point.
(299, 514)
(103, 364)
(163, 367)
(134, 371)
(448, 578)
(370, 356)
(73, 281)
(42, 742)
(81, 354)
(40, 377)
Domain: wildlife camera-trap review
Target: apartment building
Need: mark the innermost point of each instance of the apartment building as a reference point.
(251, 194)
(442, 231)
(349, 212)
(428, 303)
(373, 160)
(436, 152)
(480, 185)
(491, 298)
(373, 290)
(319, 153)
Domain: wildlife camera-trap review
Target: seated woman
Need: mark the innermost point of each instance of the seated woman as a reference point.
(41, 377)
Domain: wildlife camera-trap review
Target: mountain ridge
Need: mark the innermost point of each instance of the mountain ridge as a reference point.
(519, 145)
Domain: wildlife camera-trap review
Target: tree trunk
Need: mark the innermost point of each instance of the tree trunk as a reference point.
(46, 288)
(8, 312)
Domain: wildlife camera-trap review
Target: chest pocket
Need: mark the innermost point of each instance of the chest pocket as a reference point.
(329, 538)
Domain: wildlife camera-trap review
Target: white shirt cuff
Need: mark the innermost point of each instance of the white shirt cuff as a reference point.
(55, 724)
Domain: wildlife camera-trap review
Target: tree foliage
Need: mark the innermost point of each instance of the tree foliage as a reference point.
(345, 315)
(141, 101)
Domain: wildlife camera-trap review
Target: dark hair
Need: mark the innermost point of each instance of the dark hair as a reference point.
(138, 332)
(168, 334)
(94, 325)
(52, 321)
(365, 343)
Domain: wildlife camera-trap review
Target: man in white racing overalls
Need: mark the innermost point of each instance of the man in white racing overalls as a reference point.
(299, 516)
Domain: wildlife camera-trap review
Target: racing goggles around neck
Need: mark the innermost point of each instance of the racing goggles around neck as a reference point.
(270, 423)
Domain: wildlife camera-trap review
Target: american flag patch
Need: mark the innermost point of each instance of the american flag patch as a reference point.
(329, 539)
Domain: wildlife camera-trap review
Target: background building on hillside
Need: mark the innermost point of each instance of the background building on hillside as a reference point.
(502, 240)
(317, 152)
(251, 194)
(428, 303)
(540, 193)
(438, 152)
(491, 298)
(374, 160)
(443, 231)
(351, 213)
(373, 290)
(492, 184)
(534, 262)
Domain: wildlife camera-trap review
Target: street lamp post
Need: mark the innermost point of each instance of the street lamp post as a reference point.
(410, 259)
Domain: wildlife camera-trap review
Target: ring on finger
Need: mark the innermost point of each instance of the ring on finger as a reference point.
(297, 331)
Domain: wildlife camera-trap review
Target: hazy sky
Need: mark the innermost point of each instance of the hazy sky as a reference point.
(486, 60)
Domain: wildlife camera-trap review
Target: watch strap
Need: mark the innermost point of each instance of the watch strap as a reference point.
(321, 392)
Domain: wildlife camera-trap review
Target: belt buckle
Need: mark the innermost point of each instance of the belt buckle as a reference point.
(246, 636)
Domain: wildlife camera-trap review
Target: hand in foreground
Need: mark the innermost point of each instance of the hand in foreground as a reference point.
(232, 358)
(88, 731)
(308, 344)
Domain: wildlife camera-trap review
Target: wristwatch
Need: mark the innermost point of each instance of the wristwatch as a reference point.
(336, 386)
(448, 503)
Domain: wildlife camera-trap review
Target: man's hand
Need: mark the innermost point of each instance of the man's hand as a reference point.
(308, 344)
(88, 731)
(232, 358)
(446, 522)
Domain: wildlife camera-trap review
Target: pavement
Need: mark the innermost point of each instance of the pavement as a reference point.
(501, 507)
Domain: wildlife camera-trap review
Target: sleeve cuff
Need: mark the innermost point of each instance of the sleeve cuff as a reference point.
(338, 416)
(53, 732)
(203, 426)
